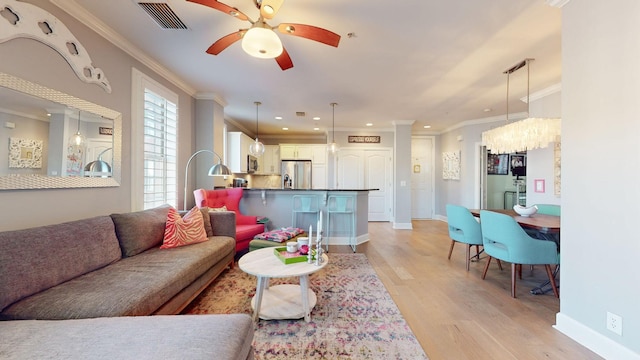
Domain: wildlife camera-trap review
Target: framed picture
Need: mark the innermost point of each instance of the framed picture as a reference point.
(25, 153)
(497, 164)
(538, 185)
(518, 160)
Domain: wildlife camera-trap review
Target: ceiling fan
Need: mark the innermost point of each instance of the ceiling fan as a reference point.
(260, 40)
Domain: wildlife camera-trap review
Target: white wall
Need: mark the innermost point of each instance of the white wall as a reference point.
(600, 168)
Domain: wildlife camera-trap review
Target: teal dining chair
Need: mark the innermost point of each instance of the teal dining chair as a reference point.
(504, 239)
(463, 228)
(548, 209)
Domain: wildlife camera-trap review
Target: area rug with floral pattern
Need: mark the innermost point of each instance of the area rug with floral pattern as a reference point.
(354, 318)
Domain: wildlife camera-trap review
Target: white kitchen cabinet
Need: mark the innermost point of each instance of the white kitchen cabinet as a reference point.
(318, 176)
(316, 153)
(237, 150)
(269, 162)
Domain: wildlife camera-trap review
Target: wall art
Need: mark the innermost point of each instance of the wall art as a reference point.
(25, 153)
(451, 165)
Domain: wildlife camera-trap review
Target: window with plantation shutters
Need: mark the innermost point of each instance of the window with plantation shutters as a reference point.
(160, 151)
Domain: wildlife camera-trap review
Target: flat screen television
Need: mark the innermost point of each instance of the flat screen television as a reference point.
(519, 171)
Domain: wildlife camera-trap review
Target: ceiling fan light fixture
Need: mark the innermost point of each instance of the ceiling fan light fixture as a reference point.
(262, 43)
(268, 9)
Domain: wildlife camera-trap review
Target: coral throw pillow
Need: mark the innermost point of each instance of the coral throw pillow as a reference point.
(181, 231)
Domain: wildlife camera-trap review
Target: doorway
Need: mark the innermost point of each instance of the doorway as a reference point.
(499, 186)
(422, 177)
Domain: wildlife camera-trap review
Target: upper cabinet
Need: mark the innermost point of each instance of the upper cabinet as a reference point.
(237, 150)
(316, 153)
(269, 162)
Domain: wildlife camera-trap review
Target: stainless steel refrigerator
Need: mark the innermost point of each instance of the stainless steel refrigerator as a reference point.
(296, 174)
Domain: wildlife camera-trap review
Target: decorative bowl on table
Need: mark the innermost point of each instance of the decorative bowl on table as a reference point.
(525, 211)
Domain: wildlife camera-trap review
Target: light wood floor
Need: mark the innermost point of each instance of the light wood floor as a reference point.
(454, 313)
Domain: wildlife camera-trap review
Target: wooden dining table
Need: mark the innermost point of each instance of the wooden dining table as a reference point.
(547, 224)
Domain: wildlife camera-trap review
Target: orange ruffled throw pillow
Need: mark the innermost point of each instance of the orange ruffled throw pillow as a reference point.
(181, 231)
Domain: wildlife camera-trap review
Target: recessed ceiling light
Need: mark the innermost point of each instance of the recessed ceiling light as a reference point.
(487, 110)
(427, 126)
(369, 124)
(278, 117)
(316, 128)
(285, 128)
(316, 118)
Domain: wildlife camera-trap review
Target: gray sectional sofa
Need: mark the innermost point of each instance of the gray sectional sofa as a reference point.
(106, 273)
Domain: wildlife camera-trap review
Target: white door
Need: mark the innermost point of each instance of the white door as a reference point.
(422, 177)
(368, 169)
(350, 172)
(378, 176)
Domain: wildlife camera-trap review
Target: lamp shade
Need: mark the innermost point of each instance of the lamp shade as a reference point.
(219, 169)
(262, 43)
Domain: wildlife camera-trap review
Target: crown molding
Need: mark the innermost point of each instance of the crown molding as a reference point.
(81, 14)
(557, 3)
(543, 93)
(210, 96)
(402, 122)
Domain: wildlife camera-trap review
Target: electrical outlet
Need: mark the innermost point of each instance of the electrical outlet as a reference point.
(614, 323)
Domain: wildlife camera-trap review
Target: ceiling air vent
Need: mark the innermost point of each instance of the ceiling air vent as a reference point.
(301, 113)
(163, 15)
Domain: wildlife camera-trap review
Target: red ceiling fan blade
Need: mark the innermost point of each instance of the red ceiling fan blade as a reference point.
(269, 8)
(311, 32)
(222, 7)
(224, 42)
(284, 60)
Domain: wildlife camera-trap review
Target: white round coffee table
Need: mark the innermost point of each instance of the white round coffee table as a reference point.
(287, 301)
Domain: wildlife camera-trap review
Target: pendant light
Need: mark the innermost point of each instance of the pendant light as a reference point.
(523, 135)
(332, 148)
(77, 141)
(257, 148)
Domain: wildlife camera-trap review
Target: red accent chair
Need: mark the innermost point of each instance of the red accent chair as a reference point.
(246, 226)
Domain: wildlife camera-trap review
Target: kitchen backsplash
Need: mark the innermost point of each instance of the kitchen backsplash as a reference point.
(265, 181)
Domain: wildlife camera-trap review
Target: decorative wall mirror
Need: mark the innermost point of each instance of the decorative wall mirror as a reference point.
(41, 152)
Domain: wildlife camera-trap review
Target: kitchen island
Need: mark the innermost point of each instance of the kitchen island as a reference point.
(277, 205)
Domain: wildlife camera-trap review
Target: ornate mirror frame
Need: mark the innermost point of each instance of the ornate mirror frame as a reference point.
(57, 182)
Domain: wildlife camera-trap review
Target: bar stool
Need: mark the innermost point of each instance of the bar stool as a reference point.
(343, 206)
(305, 205)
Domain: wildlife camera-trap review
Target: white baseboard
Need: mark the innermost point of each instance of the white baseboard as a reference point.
(593, 340)
(402, 226)
(343, 240)
(441, 218)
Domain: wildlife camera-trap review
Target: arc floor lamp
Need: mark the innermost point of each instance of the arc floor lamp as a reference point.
(218, 169)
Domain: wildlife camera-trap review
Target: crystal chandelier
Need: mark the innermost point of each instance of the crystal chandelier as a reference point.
(257, 148)
(528, 134)
(332, 148)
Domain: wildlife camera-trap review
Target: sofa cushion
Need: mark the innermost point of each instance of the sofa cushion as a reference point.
(140, 230)
(182, 231)
(207, 221)
(223, 337)
(32, 260)
(136, 285)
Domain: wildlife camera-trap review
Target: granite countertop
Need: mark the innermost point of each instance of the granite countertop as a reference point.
(280, 189)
